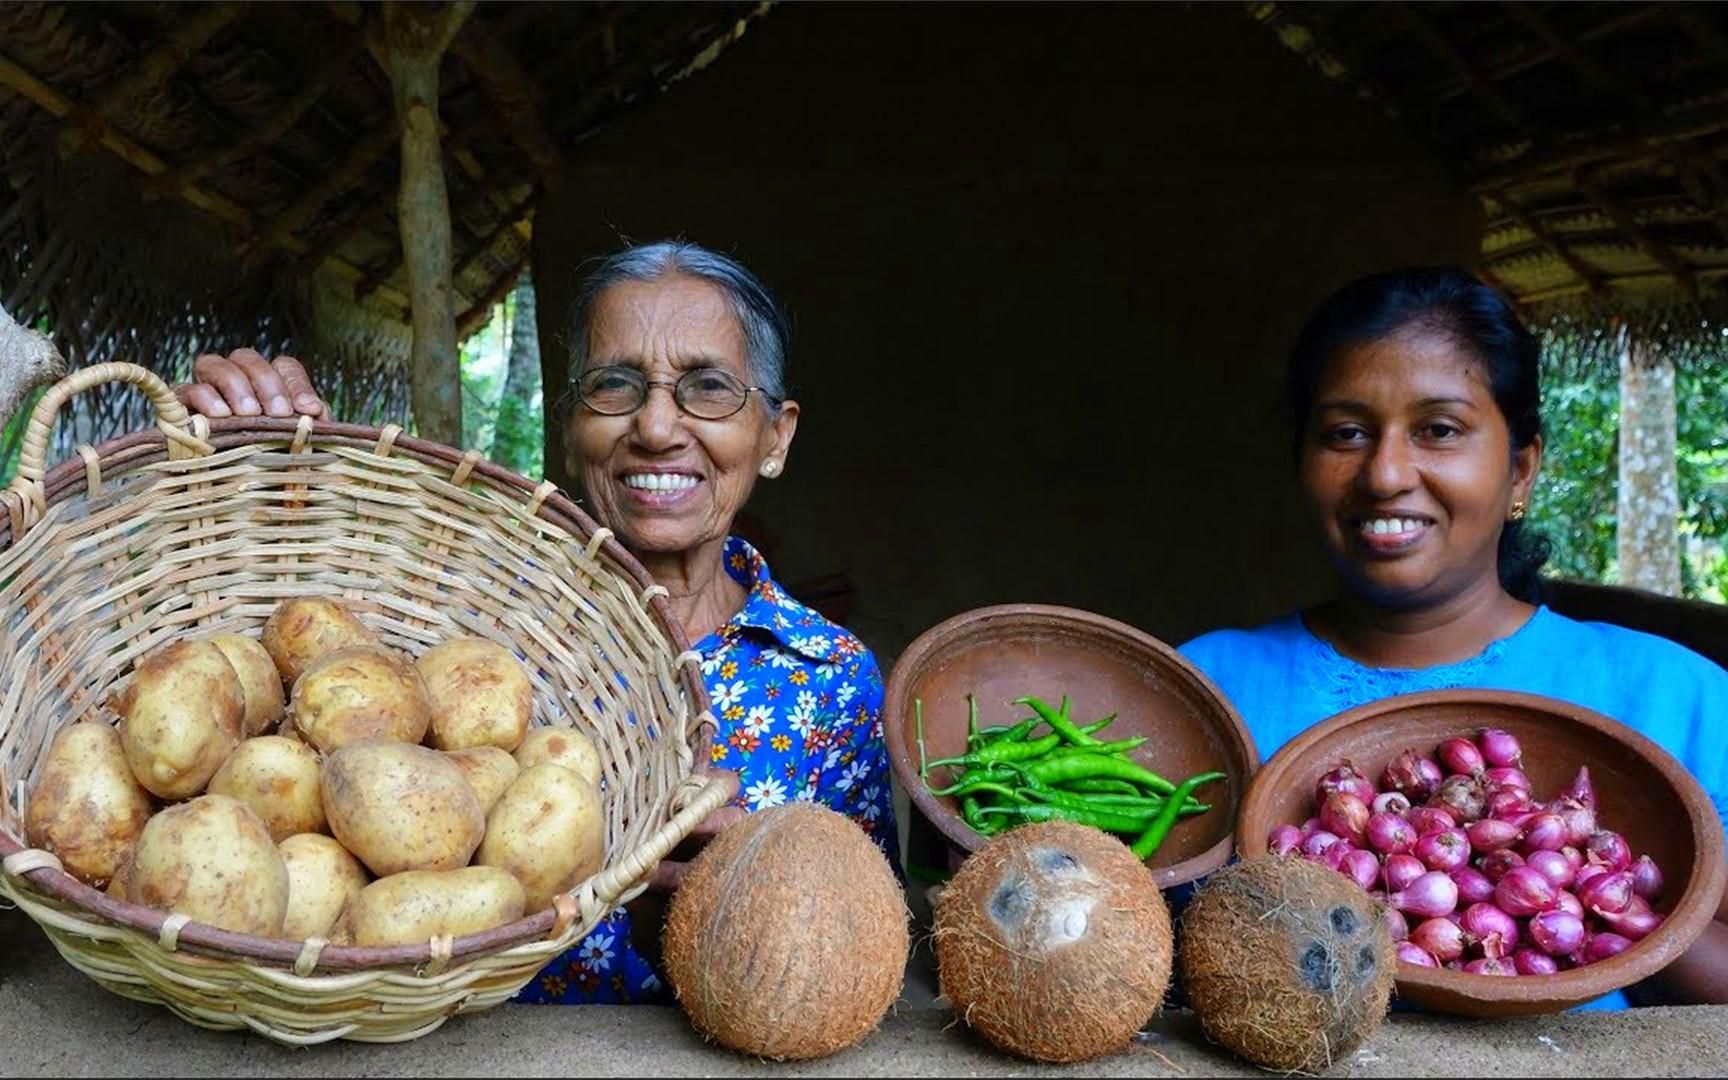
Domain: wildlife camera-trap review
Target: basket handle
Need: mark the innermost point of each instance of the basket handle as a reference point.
(711, 796)
(171, 416)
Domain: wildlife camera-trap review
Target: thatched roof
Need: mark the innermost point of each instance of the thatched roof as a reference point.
(181, 176)
(1593, 133)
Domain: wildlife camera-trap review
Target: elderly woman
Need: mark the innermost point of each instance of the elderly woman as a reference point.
(1415, 395)
(678, 407)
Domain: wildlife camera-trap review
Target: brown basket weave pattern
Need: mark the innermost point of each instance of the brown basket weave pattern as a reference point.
(202, 528)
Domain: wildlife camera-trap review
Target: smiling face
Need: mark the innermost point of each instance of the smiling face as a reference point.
(663, 480)
(1407, 462)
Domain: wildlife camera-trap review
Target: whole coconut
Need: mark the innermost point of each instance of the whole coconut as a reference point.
(1286, 962)
(1054, 942)
(787, 938)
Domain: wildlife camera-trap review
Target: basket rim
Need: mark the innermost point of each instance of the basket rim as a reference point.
(69, 480)
(1688, 919)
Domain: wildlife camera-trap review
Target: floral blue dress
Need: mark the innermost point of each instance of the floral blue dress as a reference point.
(799, 705)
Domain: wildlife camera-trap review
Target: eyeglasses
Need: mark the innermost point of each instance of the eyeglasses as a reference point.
(705, 393)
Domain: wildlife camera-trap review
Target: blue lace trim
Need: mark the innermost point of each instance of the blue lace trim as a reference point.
(1344, 683)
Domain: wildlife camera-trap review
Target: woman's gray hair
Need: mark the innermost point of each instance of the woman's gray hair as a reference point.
(764, 322)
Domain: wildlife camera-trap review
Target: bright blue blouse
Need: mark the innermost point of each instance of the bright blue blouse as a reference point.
(1283, 680)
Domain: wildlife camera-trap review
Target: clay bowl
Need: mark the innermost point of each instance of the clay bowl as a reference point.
(1642, 792)
(1017, 650)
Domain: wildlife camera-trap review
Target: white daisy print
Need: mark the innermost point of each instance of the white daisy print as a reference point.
(764, 793)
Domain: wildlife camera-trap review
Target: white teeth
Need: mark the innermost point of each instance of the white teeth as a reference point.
(1390, 526)
(660, 481)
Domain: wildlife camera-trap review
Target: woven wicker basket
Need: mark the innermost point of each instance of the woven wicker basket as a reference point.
(202, 527)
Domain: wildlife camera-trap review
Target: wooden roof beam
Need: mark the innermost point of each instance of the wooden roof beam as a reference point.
(514, 95)
(1639, 143)
(341, 176)
(488, 188)
(1658, 252)
(1703, 29)
(1606, 80)
(475, 317)
(1497, 73)
(153, 69)
(1591, 279)
(279, 124)
(59, 105)
(1474, 82)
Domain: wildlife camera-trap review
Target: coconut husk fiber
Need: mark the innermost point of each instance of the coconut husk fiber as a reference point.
(1054, 943)
(1286, 962)
(787, 939)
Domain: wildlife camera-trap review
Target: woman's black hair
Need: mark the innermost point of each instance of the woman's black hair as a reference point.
(1449, 302)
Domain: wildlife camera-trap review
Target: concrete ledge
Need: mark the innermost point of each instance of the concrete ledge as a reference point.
(54, 1021)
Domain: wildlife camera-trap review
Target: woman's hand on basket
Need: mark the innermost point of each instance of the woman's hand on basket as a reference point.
(243, 383)
(670, 873)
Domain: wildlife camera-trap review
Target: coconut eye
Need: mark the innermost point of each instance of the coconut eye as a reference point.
(1365, 960)
(1316, 972)
(1055, 861)
(1009, 902)
(1343, 920)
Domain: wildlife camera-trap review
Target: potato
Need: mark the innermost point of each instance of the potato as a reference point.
(547, 830)
(88, 808)
(480, 695)
(260, 682)
(120, 886)
(415, 906)
(361, 692)
(400, 807)
(489, 771)
(278, 779)
(322, 879)
(302, 629)
(180, 717)
(212, 859)
(561, 746)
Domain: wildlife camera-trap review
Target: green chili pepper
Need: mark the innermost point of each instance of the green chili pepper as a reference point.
(971, 719)
(1060, 770)
(1121, 746)
(1142, 808)
(1003, 751)
(1098, 819)
(1095, 728)
(1058, 721)
(1104, 785)
(1160, 827)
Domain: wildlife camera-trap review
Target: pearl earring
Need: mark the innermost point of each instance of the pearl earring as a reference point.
(768, 468)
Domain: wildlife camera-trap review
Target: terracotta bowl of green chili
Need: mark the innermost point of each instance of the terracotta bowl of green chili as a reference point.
(1029, 712)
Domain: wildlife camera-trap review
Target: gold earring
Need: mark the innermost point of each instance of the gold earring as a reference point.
(1518, 510)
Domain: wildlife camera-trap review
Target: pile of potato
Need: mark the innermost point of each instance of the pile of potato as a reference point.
(341, 824)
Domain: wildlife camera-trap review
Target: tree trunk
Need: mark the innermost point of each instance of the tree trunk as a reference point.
(1649, 494)
(415, 37)
(522, 376)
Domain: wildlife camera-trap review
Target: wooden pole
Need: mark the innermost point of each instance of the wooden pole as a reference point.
(415, 39)
(1647, 527)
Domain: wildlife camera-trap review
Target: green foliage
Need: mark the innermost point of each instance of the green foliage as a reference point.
(1575, 499)
(507, 431)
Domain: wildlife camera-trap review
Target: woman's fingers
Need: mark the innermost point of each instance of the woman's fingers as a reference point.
(299, 386)
(243, 383)
(272, 395)
(230, 381)
(202, 398)
(668, 875)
